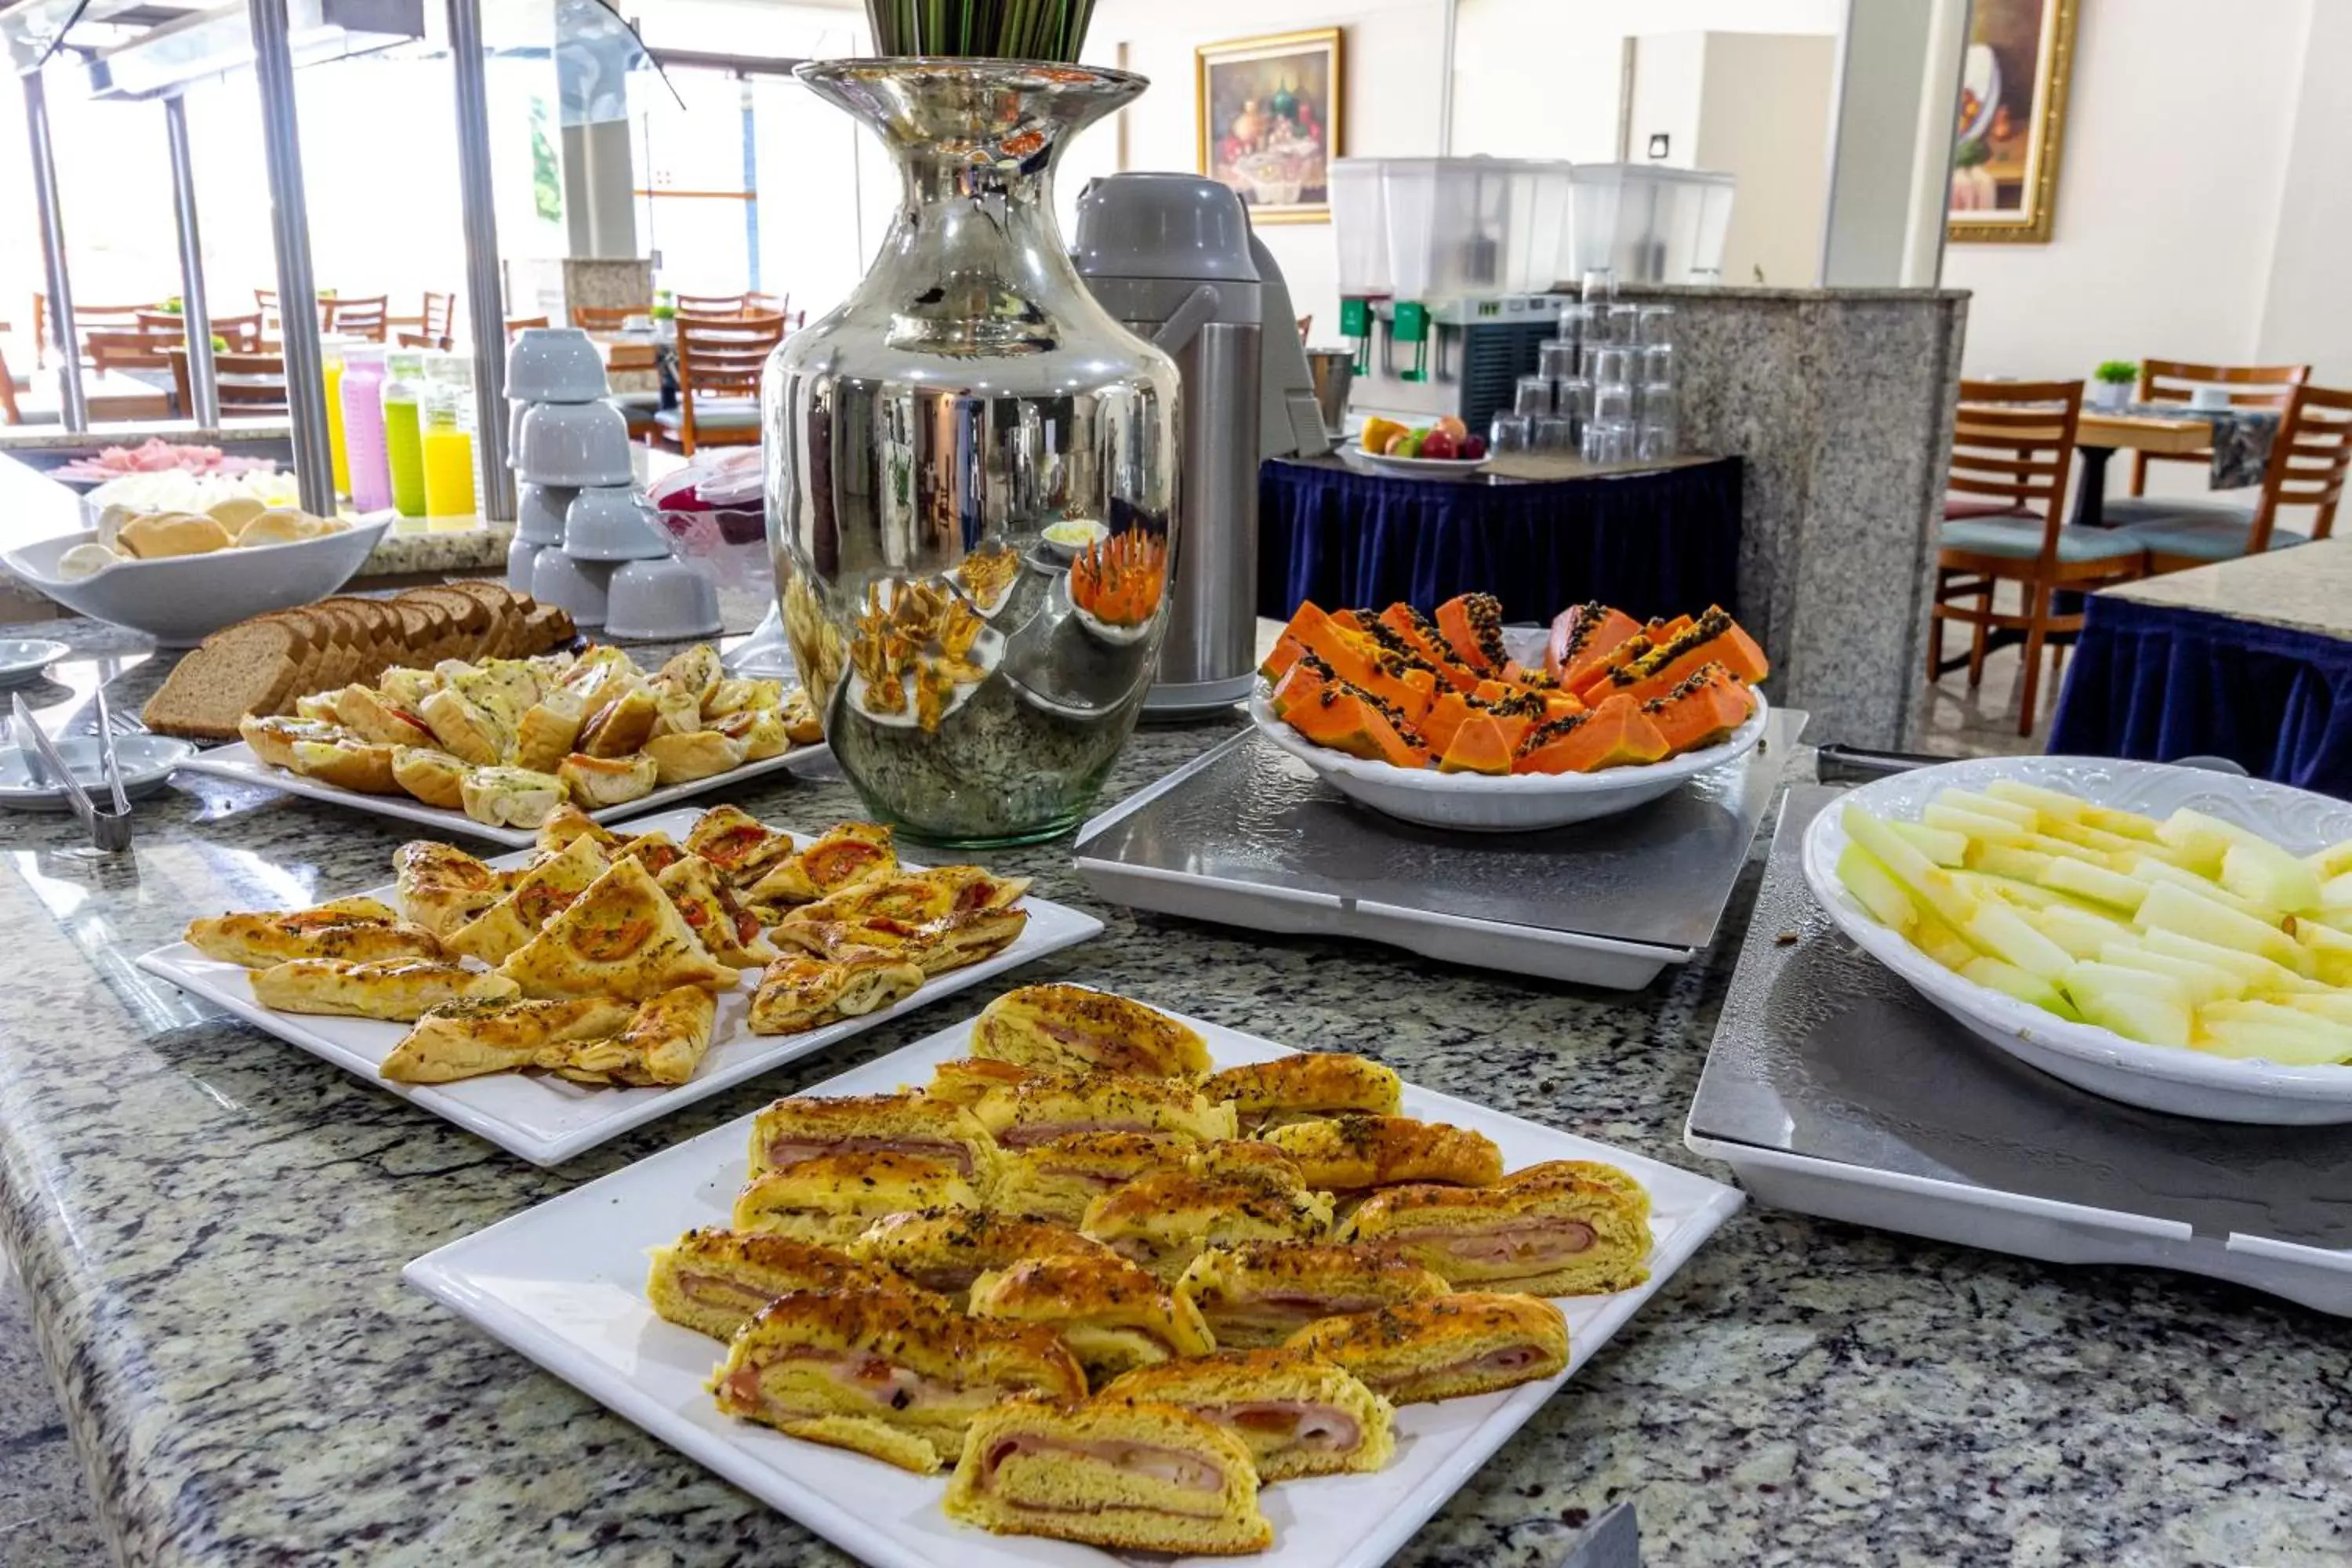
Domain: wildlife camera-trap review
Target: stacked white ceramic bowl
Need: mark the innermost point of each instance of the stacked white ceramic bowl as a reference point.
(567, 439)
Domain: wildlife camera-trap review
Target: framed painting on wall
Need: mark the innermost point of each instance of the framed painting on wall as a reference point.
(1270, 110)
(2011, 118)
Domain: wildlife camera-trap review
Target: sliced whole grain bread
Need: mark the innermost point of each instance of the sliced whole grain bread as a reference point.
(253, 667)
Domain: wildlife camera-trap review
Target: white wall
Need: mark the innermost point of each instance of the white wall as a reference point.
(1767, 120)
(2177, 148)
(2305, 315)
(1394, 50)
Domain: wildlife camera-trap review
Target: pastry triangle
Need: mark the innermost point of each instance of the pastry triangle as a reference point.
(731, 935)
(494, 934)
(621, 938)
(663, 1045)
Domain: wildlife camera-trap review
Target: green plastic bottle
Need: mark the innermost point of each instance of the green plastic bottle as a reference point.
(404, 446)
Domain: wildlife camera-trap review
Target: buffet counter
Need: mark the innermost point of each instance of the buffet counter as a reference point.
(211, 1227)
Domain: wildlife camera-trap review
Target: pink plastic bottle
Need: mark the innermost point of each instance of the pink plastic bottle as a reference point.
(362, 393)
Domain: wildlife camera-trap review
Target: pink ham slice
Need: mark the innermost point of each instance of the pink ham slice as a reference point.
(1537, 1242)
(1305, 1424)
(871, 1376)
(786, 1151)
(717, 1290)
(1173, 1466)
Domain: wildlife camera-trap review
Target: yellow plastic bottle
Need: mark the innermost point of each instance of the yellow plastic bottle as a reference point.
(336, 457)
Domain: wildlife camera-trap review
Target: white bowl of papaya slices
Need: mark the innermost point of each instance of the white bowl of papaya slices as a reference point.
(1431, 720)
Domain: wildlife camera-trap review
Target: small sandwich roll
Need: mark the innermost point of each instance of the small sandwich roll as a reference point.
(1130, 1475)
(1059, 1180)
(1114, 1315)
(1444, 1347)
(1047, 1106)
(715, 1281)
(802, 1127)
(1262, 1292)
(945, 1250)
(1307, 1086)
(887, 1372)
(1350, 1153)
(1164, 1220)
(1073, 1029)
(832, 1199)
(1567, 1228)
(1299, 1414)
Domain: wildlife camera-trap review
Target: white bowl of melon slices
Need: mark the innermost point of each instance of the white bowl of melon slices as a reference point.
(2168, 937)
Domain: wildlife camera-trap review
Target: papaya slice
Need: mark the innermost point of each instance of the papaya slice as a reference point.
(1616, 735)
(1702, 711)
(1663, 631)
(1537, 678)
(1346, 719)
(1582, 636)
(1396, 679)
(1445, 716)
(1515, 715)
(1420, 634)
(1479, 746)
(1493, 690)
(1473, 627)
(1592, 685)
(1301, 682)
(1714, 638)
(1293, 640)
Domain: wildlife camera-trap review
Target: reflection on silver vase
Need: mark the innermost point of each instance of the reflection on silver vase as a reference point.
(975, 684)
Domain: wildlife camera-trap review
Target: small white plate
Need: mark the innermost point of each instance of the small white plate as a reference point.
(2162, 1078)
(22, 659)
(238, 762)
(1414, 468)
(1071, 548)
(545, 1119)
(564, 1283)
(146, 761)
(1511, 802)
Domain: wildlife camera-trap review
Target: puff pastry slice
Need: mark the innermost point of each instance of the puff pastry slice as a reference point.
(621, 938)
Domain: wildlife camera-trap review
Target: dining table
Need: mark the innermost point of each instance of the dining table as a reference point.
(2239, 440)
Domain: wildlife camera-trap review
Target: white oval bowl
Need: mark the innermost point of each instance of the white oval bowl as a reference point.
(1514, 802)
(2179, 1080)
(183, 599)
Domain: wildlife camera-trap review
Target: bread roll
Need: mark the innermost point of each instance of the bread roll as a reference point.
(682, 759)
(596, 781)
(175, 533)
(280, 526)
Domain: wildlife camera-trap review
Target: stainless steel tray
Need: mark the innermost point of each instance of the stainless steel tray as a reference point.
(1245, 836)
(1833, 1089)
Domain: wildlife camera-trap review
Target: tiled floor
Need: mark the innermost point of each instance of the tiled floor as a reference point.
(45, 1515)
(1950, 720)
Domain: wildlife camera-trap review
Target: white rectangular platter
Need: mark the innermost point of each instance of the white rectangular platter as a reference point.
(238, 762)
(548, 1119)
(563, 1283)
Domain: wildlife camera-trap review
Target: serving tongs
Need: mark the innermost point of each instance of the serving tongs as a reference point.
(108, 825)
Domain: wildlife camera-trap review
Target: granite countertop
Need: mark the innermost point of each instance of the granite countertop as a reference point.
(211, 1226)
(2306, 589)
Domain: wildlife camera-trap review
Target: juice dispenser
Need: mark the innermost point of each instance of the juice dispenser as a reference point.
(403, 393)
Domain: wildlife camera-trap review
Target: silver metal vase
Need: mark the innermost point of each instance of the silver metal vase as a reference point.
(976, 675)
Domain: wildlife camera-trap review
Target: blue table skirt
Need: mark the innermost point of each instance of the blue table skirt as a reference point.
(1658, 543)
(2158, 683)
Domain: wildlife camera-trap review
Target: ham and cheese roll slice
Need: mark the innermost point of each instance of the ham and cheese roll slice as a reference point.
(1300, 1415)
(402, 989)
(805, 1126)
(967, 1080)
(1308, 1086)
(715, 1281)
(1262, 1292)
(887, 1372)
(1059, 1179)
(946, 1250)
(833, 1198)
(1567, 1228)
(1443, 1347)
(1075, 1028)
(1114, 1316)
(1350, 1153)
(1047, 1106)
(1132, 1475)
(1164, 1220)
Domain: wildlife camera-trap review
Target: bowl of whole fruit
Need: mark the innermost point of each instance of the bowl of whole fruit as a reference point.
(1433, 721)
(1446, 449)
(2166, 937)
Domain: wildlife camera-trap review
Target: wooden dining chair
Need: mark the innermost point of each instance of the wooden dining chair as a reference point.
(606, 317)
(112, 319)
(519, 324)
(440, 316)
(719, 364)
(356, 318)
(2172, 381)
(2013, 441)
(248, 384)
(9, 413)
(2305, 469)
(710, 304)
